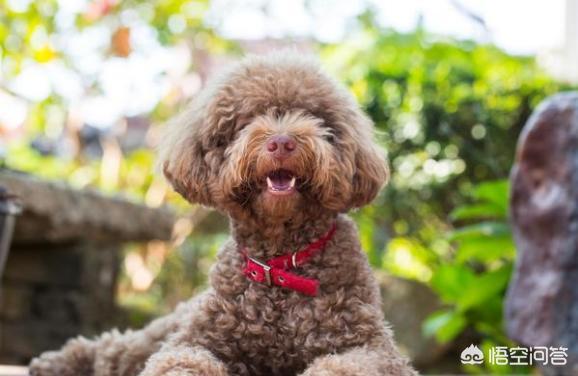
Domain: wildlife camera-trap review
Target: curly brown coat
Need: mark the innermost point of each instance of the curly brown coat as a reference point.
(216, 154)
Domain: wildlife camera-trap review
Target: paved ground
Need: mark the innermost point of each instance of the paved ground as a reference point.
(13, 371)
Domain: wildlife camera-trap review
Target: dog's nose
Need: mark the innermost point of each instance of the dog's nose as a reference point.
(281, 146)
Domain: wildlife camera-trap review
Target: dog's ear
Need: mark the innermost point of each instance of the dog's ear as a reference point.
(371, 168)
(182, 157)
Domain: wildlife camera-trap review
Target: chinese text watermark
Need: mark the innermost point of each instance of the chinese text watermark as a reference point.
(516, 356)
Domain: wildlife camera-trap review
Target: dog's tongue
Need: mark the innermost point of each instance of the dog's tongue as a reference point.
(280, 180)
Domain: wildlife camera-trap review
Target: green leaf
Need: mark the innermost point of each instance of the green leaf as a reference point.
(449, 281)
(486, 249)
(487, 229)
(406, 258)
(478, 211)
(483, 287)
(495, 192)
(445, 325)
(485, 241)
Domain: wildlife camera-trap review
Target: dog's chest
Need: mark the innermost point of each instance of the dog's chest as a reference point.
(281, 333)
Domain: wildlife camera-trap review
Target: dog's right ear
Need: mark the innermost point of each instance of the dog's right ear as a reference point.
(182, 158)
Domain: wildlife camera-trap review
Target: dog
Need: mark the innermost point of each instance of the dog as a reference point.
(285, 152)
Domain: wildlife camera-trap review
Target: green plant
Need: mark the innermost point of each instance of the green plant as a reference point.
(448, 114)
(471, 281)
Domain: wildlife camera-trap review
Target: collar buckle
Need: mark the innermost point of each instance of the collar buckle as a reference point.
(266, 270)
(294, 259)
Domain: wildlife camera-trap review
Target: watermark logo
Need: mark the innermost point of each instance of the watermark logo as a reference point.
(472, 355)
(516, 356)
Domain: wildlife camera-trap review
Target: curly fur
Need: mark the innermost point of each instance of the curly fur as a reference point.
(214, 154)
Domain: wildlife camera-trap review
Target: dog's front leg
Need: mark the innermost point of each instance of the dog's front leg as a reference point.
(184, 360)
(75, 358)
(361, 361)
(111, 354)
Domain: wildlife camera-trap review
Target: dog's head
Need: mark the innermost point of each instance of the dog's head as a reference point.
(272, 137)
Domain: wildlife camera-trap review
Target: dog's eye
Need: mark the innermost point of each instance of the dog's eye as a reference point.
(329, 138)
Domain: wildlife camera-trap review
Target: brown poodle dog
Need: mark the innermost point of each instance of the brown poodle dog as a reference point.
(284, 151)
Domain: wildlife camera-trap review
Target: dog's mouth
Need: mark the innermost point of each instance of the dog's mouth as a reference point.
(281, 182)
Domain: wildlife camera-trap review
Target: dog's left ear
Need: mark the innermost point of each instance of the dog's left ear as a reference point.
(371, 169)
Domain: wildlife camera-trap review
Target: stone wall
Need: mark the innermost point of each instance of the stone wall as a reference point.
(50, 293)
(61, 274)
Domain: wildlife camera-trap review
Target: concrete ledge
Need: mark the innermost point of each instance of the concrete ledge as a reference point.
(13, 371)
(56, 213)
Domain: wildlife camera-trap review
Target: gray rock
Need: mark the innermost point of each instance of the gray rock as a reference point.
(542, 301)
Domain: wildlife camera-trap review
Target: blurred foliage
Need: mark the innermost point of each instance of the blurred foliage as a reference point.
(30, 31)
(178, 275)
(472, 279)
(37, 33)
(449, 114)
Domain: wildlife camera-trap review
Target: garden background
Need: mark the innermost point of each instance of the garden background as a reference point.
(85, 87)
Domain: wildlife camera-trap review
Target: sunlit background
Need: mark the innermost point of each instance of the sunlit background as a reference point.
(85, 87)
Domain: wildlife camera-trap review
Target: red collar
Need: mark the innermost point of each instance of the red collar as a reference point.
(275, 271)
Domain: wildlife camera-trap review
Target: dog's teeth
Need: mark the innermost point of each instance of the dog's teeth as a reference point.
(292, 183)
(269, 182)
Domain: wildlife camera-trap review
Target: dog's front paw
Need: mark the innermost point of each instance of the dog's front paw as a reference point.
(184, 361)
(328, 368)
(76, 358)
(44, 365)
(53, 363)
(360, 362)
